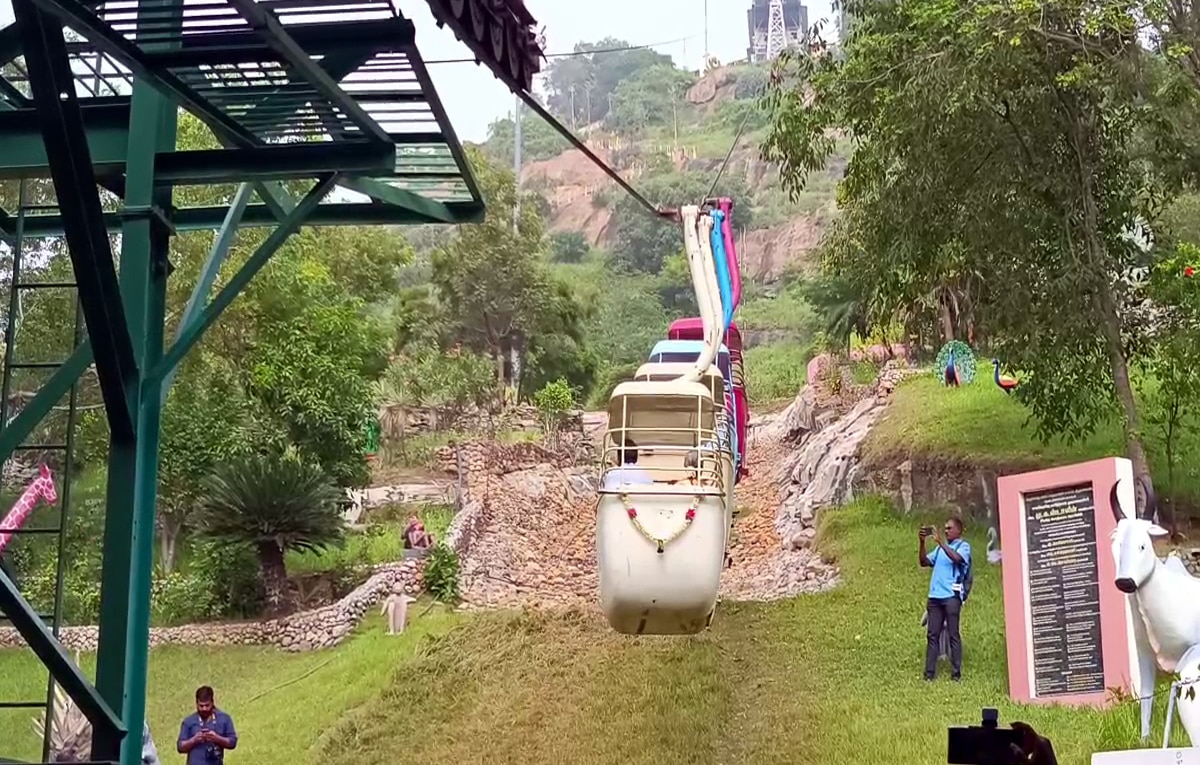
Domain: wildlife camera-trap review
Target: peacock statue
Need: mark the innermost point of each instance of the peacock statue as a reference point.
(955, 364)
(71, 733)
(1006, 383)
(993, 550)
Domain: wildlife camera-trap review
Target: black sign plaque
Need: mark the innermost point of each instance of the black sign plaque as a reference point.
(1064, 591)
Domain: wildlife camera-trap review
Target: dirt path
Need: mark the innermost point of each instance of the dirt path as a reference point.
(537, 542)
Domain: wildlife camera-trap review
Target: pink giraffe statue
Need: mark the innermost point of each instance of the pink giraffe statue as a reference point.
(42, 487)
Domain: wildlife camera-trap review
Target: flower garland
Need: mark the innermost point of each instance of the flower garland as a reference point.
(660, 544)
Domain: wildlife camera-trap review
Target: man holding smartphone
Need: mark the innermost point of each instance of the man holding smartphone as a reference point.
(948, 560)
(206, 735)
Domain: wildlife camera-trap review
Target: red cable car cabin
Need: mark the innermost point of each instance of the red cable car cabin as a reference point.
(693, 329)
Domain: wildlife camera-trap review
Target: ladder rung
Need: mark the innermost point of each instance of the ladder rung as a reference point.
(46, 285)
(41, 448)
(35, 365)
(22, 704)
(30, 531)
(47, 618)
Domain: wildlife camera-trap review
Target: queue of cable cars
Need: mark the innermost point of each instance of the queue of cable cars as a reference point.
(693, 329)
(671, 456)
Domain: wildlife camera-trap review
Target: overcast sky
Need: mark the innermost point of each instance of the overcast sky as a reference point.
(473, 97)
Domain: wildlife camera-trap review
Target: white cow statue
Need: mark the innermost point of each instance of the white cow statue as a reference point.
(1165, 602)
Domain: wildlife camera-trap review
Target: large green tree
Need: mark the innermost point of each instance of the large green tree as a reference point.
(994, 151)
(494, 285)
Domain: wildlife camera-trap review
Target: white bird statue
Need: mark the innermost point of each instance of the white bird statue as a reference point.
(993, 552)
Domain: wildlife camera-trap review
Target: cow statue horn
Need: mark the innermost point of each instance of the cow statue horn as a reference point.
(1150, 511)
(1115, 502)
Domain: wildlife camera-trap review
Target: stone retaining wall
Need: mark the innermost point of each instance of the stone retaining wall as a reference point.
(327, 626)
(309, 630)
(521, 418)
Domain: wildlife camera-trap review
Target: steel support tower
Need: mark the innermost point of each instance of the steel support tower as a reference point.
(777, 38)
(308, 95)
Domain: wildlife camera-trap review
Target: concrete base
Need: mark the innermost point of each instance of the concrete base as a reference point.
(1189, 756)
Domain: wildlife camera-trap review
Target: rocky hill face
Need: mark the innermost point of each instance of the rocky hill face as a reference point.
(782, 232)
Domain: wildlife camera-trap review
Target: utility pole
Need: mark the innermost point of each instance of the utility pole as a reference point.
(702, 68)
(517, 160)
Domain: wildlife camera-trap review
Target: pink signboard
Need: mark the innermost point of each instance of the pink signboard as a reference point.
(1069, 630)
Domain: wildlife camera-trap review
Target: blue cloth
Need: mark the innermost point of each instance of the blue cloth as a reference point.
(721, 262)
(945, 571)
(221, 723)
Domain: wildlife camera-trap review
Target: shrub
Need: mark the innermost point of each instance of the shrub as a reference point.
(553, 401)
(441, 573)
(182, 598)
(231, 572)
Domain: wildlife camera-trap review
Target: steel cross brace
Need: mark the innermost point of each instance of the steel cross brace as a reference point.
(188, 335)
(55, 658)
(222, 243)
(52, 83)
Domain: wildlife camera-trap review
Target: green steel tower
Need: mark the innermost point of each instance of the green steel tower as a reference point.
(327, 95)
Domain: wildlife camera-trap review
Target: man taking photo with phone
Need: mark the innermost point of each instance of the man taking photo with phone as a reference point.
(950, 559)
(206, 735)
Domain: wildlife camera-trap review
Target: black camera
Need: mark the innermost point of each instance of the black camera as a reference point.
(985, 744)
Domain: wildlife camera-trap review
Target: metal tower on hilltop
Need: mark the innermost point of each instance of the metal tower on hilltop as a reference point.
(776, 30)
(774, 26)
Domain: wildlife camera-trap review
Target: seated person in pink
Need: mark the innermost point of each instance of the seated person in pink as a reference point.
(415, 535)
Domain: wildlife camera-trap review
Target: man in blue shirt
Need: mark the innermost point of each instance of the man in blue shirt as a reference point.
(206, 735)
(949, 561)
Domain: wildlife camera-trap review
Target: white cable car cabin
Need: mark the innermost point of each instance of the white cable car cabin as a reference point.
(661, 527)
(715, 382)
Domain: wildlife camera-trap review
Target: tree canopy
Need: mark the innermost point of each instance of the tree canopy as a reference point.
(997, 173)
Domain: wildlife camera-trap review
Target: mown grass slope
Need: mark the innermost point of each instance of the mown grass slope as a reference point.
(283, 704)
(832, 678)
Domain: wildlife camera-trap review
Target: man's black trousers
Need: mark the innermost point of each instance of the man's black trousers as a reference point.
(943, 615)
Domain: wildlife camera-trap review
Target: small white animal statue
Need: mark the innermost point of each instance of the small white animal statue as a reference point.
(396, 608)
(71, 733)
(1165, 602)
(993, 549)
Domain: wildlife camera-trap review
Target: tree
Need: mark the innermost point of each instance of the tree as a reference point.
(273, 502)
(994, 144)
(311, 358)
(489, 278)
(579, 86)
(203, 427)
(569, 246)
(538, 139)
(649, 97)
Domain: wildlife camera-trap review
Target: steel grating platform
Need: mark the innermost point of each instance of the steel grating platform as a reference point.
(279, 83)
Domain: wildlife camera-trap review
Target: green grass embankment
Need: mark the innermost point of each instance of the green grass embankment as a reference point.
(833, 678)
(978, 425)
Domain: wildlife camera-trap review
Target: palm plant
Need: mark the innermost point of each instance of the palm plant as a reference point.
(274, 503)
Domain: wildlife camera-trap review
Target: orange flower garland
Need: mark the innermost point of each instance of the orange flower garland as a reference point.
(660, 544)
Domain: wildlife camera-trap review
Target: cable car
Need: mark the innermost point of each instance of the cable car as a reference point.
(715, 383)
(693, 329)
(689, 351)
(662, 525)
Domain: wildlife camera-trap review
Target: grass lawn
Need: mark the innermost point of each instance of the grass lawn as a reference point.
(978, 424)
(282, 712)
(832, 679)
